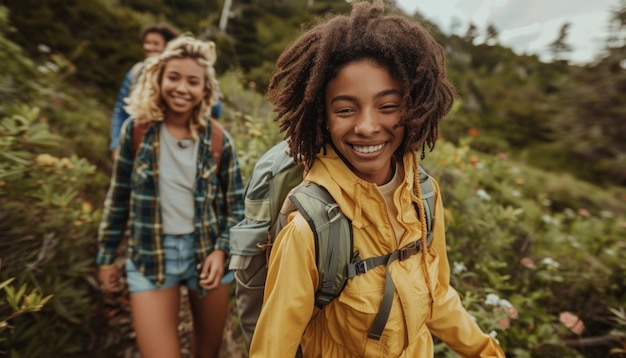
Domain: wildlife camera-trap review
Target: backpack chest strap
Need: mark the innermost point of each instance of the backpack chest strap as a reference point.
(359, 267)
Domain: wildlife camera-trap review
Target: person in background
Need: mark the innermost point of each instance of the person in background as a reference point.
(179, 201)
(359, 98)
(155, 37)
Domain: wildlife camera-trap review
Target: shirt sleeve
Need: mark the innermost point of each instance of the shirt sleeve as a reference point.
(119, 113)
(289, 297)
(232, 187)
(117, 202)
(450, 321)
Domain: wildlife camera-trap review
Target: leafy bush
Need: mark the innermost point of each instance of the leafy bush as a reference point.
(102, 41)
(248, 117)
(522, 252)
(47, 224)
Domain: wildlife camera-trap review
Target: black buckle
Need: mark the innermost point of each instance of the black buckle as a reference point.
(409, 250)
(360, 267)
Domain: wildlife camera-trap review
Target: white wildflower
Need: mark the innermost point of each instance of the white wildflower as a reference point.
(606, 214)
(458, 267)
(505, 304)
(483, 194)
(573, 241)
(550, 263)
(569, 213)
(492, 299)
(43, 48)
(52, 66)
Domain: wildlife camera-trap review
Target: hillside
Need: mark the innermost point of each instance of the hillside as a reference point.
(553, 115)
(532, 165)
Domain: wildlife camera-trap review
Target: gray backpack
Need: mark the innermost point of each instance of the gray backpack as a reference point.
(274, 178)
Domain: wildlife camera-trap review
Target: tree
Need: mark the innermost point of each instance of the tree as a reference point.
(617, 27)
(558, 47)
(471, 33)
(491, 38)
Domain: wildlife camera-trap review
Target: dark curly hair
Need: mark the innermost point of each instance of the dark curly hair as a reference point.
(168, 32)
(403, 47)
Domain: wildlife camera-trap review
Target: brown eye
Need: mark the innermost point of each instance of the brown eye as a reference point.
(388, 108)
(344, 110)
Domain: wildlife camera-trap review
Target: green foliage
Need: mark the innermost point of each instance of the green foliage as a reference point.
(19, 302)
(525, 244)
(47, 228)
(590, 127)
(522, 251)
(248, 117)
(19, 76)
(559, 117)
(101, 41)
(521, 104)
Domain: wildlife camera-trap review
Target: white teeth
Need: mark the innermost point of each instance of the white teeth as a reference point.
(369, 148)
(179, 100)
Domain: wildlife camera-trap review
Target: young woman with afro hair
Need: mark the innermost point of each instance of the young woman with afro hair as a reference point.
(359, 99)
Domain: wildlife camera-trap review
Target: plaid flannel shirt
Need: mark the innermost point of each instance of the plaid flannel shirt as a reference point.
(133, 200)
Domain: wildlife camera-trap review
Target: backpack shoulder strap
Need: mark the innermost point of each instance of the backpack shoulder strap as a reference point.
(428, 199)
(217, 142)
(138, 131)
(333, 238)
(336, 262)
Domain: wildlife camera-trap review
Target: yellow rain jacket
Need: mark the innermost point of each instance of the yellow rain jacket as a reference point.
(289, 317)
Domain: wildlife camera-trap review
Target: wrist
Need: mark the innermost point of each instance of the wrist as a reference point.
(221, 252)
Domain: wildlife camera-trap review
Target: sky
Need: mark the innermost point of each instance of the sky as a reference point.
(526, 26)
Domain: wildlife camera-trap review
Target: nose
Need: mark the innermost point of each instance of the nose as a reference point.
(150, 49)
(181, 87)
(367, 123)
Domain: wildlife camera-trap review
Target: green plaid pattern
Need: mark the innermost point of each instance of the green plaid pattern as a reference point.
(133, 200)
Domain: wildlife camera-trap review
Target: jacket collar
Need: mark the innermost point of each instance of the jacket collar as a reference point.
(360, 200)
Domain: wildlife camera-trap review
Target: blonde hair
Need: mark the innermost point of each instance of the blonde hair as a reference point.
(145, 103)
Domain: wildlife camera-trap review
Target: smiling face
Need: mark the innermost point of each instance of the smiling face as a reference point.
(363, 104)
(153, 44)
(182, 87)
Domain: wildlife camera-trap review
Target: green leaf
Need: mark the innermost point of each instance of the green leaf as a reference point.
(6, 282)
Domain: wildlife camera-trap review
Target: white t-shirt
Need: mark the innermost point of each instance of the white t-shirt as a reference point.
(177, 182)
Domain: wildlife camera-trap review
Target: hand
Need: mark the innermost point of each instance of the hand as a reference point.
(212, 270)
(109, 277)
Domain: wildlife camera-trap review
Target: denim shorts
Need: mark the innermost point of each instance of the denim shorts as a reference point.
(180, 267)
